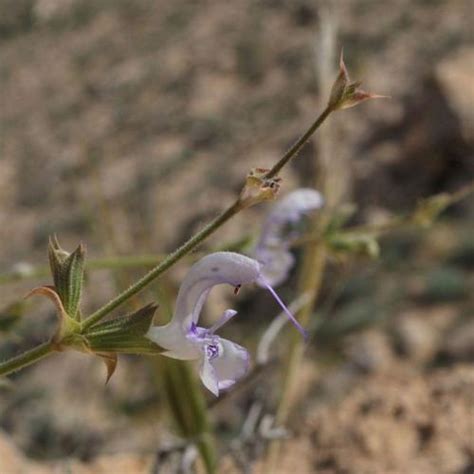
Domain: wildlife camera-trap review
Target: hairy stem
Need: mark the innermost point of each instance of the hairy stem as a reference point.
(296, 147)
(27, 358)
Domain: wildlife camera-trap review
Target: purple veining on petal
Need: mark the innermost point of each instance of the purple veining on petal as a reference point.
(284, 308)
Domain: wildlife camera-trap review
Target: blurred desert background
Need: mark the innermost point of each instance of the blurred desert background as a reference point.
(127, 125)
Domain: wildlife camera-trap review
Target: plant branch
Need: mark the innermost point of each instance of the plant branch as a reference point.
(45, 349)
(112, 263)
(27, 358)
(202, 235)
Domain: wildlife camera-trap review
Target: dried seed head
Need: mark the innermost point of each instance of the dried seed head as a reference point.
(258, 188)
(346, 94)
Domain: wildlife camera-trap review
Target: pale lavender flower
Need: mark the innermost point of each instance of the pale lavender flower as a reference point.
(223, 362)
(272, 249)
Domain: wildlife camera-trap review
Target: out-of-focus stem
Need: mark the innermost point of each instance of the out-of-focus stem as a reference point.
(311, 276)
(462, 193)
(187, 407)
(108, 263)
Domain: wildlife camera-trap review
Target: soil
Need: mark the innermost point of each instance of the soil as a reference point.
(128, 124)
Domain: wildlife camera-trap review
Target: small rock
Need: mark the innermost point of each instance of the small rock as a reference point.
(459, 344)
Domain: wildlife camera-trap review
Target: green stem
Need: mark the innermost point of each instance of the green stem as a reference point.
(311, 277)
(169, 261)
(296, 147)
(27, 358)
(188, 408)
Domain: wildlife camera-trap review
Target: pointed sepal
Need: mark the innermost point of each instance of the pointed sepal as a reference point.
(125, 334)
(343, 243)
(68, 275)
(110, 360)
(346, 93)
(64, 321)
(428, 210)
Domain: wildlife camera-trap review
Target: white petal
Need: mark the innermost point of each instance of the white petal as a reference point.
(231, 365)
(172, 338)
(208, 376)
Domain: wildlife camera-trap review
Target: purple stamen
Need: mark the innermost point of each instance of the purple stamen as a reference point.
(212, 351)
(284, 308)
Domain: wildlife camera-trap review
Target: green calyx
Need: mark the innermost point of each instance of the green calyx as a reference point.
(68, 275)
(125, 334)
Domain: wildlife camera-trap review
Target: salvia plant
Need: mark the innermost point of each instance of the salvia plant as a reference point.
(222, 362)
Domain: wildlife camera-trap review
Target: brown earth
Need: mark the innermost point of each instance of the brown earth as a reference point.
(128, 125)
